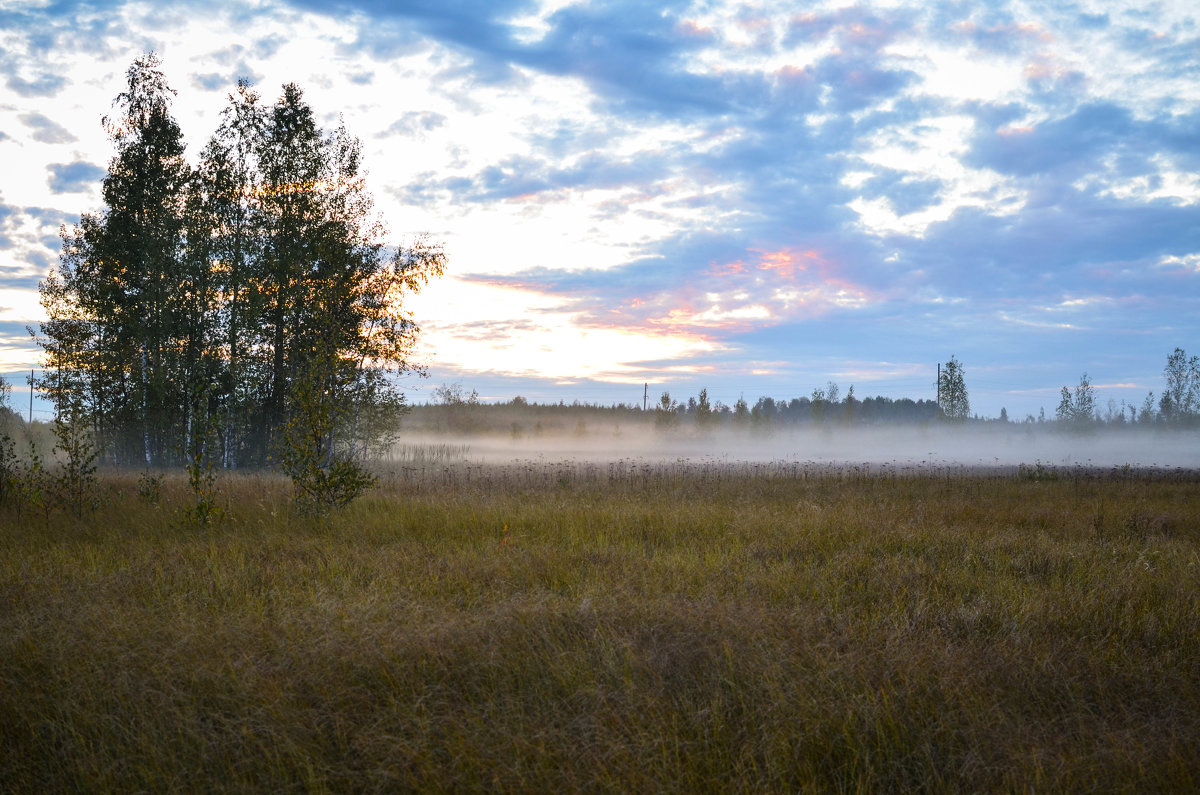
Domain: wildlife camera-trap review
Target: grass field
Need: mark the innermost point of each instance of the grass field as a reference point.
(614, 627)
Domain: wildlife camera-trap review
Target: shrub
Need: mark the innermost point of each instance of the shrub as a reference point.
(324, 475)
(75, 482)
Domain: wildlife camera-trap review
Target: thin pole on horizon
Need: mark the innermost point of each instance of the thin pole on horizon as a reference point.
(645, 394)
(939, 385)
(30, 395)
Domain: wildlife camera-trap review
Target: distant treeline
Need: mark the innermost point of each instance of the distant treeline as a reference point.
(453, 410)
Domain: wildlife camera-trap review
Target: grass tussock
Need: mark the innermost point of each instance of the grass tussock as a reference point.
(612, 628)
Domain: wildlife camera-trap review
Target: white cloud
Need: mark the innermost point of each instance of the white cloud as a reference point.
(960, 74)
(1167, 182)
(690, 171)
(1187, 262)
(931, 148)
(509, 331)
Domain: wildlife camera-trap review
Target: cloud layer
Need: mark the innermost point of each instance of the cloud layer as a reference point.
(765, 199)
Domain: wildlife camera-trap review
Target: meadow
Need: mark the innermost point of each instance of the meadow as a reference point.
(613, 626)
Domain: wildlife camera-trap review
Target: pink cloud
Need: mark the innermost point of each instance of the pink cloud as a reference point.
(693, 30)
(743, 294)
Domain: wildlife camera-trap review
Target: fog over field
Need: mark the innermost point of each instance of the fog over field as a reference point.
(907, 447)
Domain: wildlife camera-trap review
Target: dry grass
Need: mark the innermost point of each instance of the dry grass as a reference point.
(633, 629)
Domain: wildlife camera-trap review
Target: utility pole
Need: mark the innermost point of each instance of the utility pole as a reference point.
(939, 385)
(31, 396)
(645, 394)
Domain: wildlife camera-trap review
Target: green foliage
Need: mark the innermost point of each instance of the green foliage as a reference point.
(149, 488)
(202, 481)
(849, 406)
(952, 391)
(26, 484)
(818, 403)
(457, 408)
(34, 486)
(1181, 395)
(75, 482)
(1037, 472)
(324, 472)
(1066, 407)
(221, 280)
(741, 412)
(1085, 400)
(8, 454)
(1079, 409)
(666, 413)
(763, 414)
(8, 470)
(455, 411)
(705, 416)
(1147, 414)
(832, 392)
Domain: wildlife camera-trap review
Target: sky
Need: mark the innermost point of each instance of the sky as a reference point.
(755, 198)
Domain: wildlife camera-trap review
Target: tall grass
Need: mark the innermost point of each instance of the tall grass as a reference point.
(618, 628)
